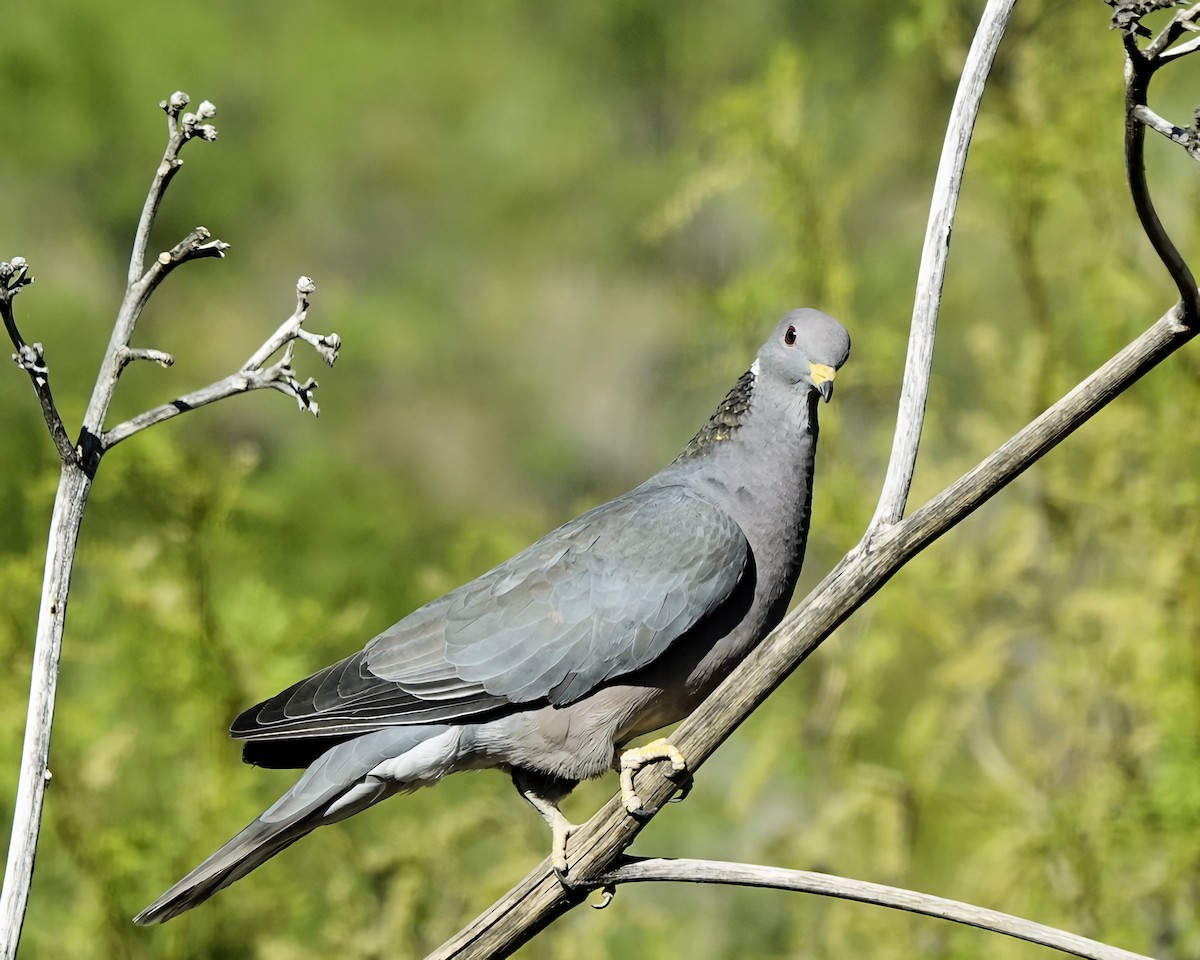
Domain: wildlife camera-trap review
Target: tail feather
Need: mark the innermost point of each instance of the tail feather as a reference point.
(334, 787)
(251, 848)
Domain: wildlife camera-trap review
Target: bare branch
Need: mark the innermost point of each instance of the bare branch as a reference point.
(931, 276)
(278, 376)
(639, 869)
(195, 246)
(14, 276)
(1140, 67)
(1183, 21)
(1162, 125)
(1180, 51)
(156, 356)
(179, 131)
(292, 328)
(252, 376)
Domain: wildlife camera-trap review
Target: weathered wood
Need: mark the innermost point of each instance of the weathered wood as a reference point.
(73, 487)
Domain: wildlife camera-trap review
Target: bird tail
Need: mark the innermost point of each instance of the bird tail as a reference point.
(249, 849)
(337, 785)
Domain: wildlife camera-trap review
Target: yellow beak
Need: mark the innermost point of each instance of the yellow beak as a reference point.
(822, 378)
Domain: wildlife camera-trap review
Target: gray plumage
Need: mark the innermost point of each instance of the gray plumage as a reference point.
(615, 624)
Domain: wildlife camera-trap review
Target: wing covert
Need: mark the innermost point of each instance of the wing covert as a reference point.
(602, 596)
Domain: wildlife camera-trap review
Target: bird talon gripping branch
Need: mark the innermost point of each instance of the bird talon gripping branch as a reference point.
(635, 758)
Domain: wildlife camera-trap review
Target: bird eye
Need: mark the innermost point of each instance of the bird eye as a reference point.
(790, 337)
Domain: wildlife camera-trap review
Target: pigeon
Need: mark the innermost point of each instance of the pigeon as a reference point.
(610, 627)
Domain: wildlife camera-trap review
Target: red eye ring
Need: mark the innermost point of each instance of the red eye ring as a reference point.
(790, 337)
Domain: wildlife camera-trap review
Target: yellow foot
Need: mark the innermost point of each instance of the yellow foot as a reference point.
(635, 758)
(562, 829)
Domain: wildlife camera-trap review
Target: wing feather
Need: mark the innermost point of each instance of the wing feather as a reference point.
(600, 597)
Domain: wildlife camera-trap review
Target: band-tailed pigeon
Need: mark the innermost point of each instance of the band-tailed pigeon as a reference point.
(615, 624)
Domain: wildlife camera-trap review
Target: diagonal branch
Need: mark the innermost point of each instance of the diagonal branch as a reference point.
(252, 375)
(641, 869)
(1162, 125)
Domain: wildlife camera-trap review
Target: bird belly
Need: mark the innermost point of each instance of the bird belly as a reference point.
(576, 742)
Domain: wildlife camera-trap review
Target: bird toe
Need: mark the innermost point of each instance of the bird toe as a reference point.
(635, 758)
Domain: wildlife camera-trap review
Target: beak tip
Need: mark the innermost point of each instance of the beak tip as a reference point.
(826, 390)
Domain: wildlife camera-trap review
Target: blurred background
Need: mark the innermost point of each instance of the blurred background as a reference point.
(551, 236)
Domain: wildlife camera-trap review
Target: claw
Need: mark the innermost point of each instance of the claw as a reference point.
(685, 782)
(606, 897)
(635, 758)
(561, 874)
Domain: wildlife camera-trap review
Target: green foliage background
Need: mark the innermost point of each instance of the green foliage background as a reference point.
(551, 236)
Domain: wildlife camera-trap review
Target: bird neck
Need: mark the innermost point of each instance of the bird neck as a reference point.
(754, 458)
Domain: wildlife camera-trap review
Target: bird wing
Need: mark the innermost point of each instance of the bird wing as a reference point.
(600, 597)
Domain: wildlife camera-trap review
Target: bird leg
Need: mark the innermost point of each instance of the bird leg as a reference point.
(544, 795)
(633, 759)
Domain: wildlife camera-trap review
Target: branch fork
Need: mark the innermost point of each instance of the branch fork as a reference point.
(1140, 67)
(194, 246)
(281, 376)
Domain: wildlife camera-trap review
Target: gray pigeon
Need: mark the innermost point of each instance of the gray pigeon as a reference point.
(615, 624)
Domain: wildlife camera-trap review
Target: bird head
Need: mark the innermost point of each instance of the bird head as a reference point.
(807, 347)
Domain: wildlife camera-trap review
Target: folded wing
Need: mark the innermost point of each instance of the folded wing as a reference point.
(598, 598)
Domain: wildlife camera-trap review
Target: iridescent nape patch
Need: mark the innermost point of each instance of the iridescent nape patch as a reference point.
(724, 423)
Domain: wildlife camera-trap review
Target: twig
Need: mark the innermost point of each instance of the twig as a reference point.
(641, 869)
(930, 277)
(1181, 51)
(1182, 21)
(14, 276)
(1160, 124)
(181, 127)
(292, 329)
(252, 376)
(139, 353)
